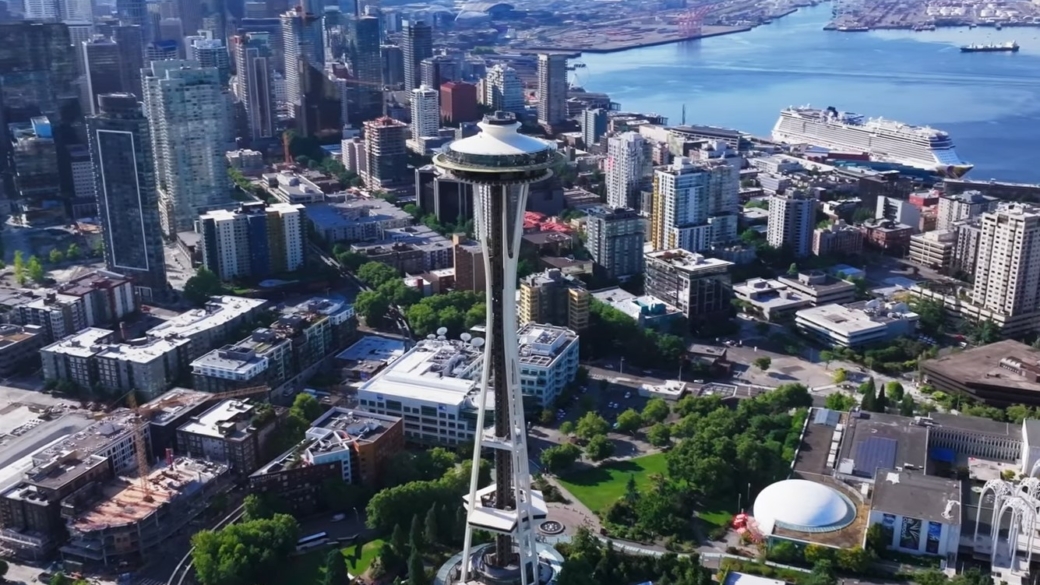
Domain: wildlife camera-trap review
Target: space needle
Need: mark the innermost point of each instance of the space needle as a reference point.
(501, 164)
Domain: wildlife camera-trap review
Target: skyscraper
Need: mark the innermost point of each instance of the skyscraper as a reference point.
(552, 88)
(188, 119)
(124, 172)
(135, 13)
(210, 53)
(1008, 280)
(696, 205)
(509, 507)
(102, 68)
(131, 44)
(791, 222)
(416, 44)
(439, 69)
(366, 62)
(593, 126)
(302, 41)
(615, 241)
(393, 65)
(627, 164)
(503, 90)
(426, 112)
(254, 83)
(34, 160)
(386, 153)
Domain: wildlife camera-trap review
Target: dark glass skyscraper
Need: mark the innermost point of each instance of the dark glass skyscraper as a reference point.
(102, 67)
(124, 171)
(416, 44)
(366, 62)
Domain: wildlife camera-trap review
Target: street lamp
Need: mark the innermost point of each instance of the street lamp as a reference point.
(621, 367)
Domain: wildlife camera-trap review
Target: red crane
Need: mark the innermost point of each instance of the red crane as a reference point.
(691, 22)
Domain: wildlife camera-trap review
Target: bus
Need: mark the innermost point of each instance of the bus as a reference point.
(312, 541)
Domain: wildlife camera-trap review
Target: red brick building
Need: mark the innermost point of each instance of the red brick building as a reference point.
(887, 235)
(459, 102)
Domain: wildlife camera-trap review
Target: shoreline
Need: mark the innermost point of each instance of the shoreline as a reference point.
(642, 44)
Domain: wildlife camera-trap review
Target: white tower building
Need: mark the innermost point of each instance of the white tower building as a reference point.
(1007, 275)
(696, 205)
(501, 164)
(791, 222)
(626, 162)
(426, 112)
(503, 89)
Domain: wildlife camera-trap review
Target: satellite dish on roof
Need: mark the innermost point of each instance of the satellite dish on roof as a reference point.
(465, 337)
(442, 330)
(478, 342)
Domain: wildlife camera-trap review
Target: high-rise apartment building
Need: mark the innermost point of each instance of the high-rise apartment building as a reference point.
(593, 126)
(187, 112)
(615, 240)
(210, 53)
(131, 41)
(699, 287)
(253, 241)
(437, 70)
(552, 88)
(1008, 281)
(791, 222)
(695, 205)
(837, 238)
(503, 90)
(554, 298)
(426, 112)
(962, 206)
(627, 163)
(254, 84)
(416, 45)
(301, 41)
(393, 65)
(386, 153)
(34, 164)
(124, 173)
(102, 71)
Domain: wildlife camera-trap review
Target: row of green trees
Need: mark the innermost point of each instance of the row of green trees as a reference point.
(587, 561)
(246, 553)
(612, 332)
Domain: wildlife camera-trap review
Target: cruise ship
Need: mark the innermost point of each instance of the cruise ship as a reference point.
(883, 140)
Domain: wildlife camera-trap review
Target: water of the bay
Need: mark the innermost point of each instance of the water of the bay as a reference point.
(988, 102)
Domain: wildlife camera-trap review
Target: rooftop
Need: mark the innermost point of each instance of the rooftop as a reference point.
(353, 210)
(875, 441)
(62, 462)
(916, 495)
(229, 419)
(83, 344)
(142, 350)
(817, 282)
(171, 404)
(124, 501)
(770, 293)
(337, 430)
(541, 345)
(689, 262)
(1008, 363)
(435, 371)
(12, 334)
(632, 305)
(98, 279)
(856, 318)
(218, 311)
(552, 276)
(374, 348)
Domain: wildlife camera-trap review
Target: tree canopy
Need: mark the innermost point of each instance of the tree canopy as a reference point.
(245, 553)
(205, 284)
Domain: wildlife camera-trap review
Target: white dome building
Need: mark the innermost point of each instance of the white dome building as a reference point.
(802, 506)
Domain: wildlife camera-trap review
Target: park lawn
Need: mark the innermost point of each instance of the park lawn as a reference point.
(369, 552)
(601, 486)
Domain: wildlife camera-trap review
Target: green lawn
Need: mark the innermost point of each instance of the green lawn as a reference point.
(599, 487)
(368, 554)
(307, 569)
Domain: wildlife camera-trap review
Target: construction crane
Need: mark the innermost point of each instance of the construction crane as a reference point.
(144, 414)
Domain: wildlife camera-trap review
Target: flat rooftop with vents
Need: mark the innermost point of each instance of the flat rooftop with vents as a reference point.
(999, 374)
(875, 441)
(541, 345)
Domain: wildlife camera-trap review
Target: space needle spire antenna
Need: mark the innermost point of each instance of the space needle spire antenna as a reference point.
(501, 164)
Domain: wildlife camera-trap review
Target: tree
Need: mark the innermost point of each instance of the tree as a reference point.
(56, 256)
(244, 553)
(60, 579)
(840, 402)
(306, 407)
(566, 428)
(19, 267)
(792, 270)
(415, 535)
(894, 390)
(255, 508)
(202, 286)
(882, 400)
(840, 376)
(930, 315)
(877, 543)
(416, 569)
(659, 435)
(591, 425)
(869, 400)
(629, 421)
(335, 569)
(35, 269)
(763, 363)
(853, 560)
(372, 306)
(784, 551)
(560, 457)
(399, 541)
(374, 274)
(73, 253)
(907, 405)
(3, 569)
(599, 448)
(432, 531)
(656, 410)
(815, 553)
(930, 577)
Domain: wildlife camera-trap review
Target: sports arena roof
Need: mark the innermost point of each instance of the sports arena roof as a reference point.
(803, 506)
(485, 6)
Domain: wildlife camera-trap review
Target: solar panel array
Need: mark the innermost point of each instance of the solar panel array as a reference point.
(872, 454)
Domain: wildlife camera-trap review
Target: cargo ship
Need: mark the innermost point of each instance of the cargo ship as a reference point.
(882, 140)
(1011, 47)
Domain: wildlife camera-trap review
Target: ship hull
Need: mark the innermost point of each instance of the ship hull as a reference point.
(990, 50)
